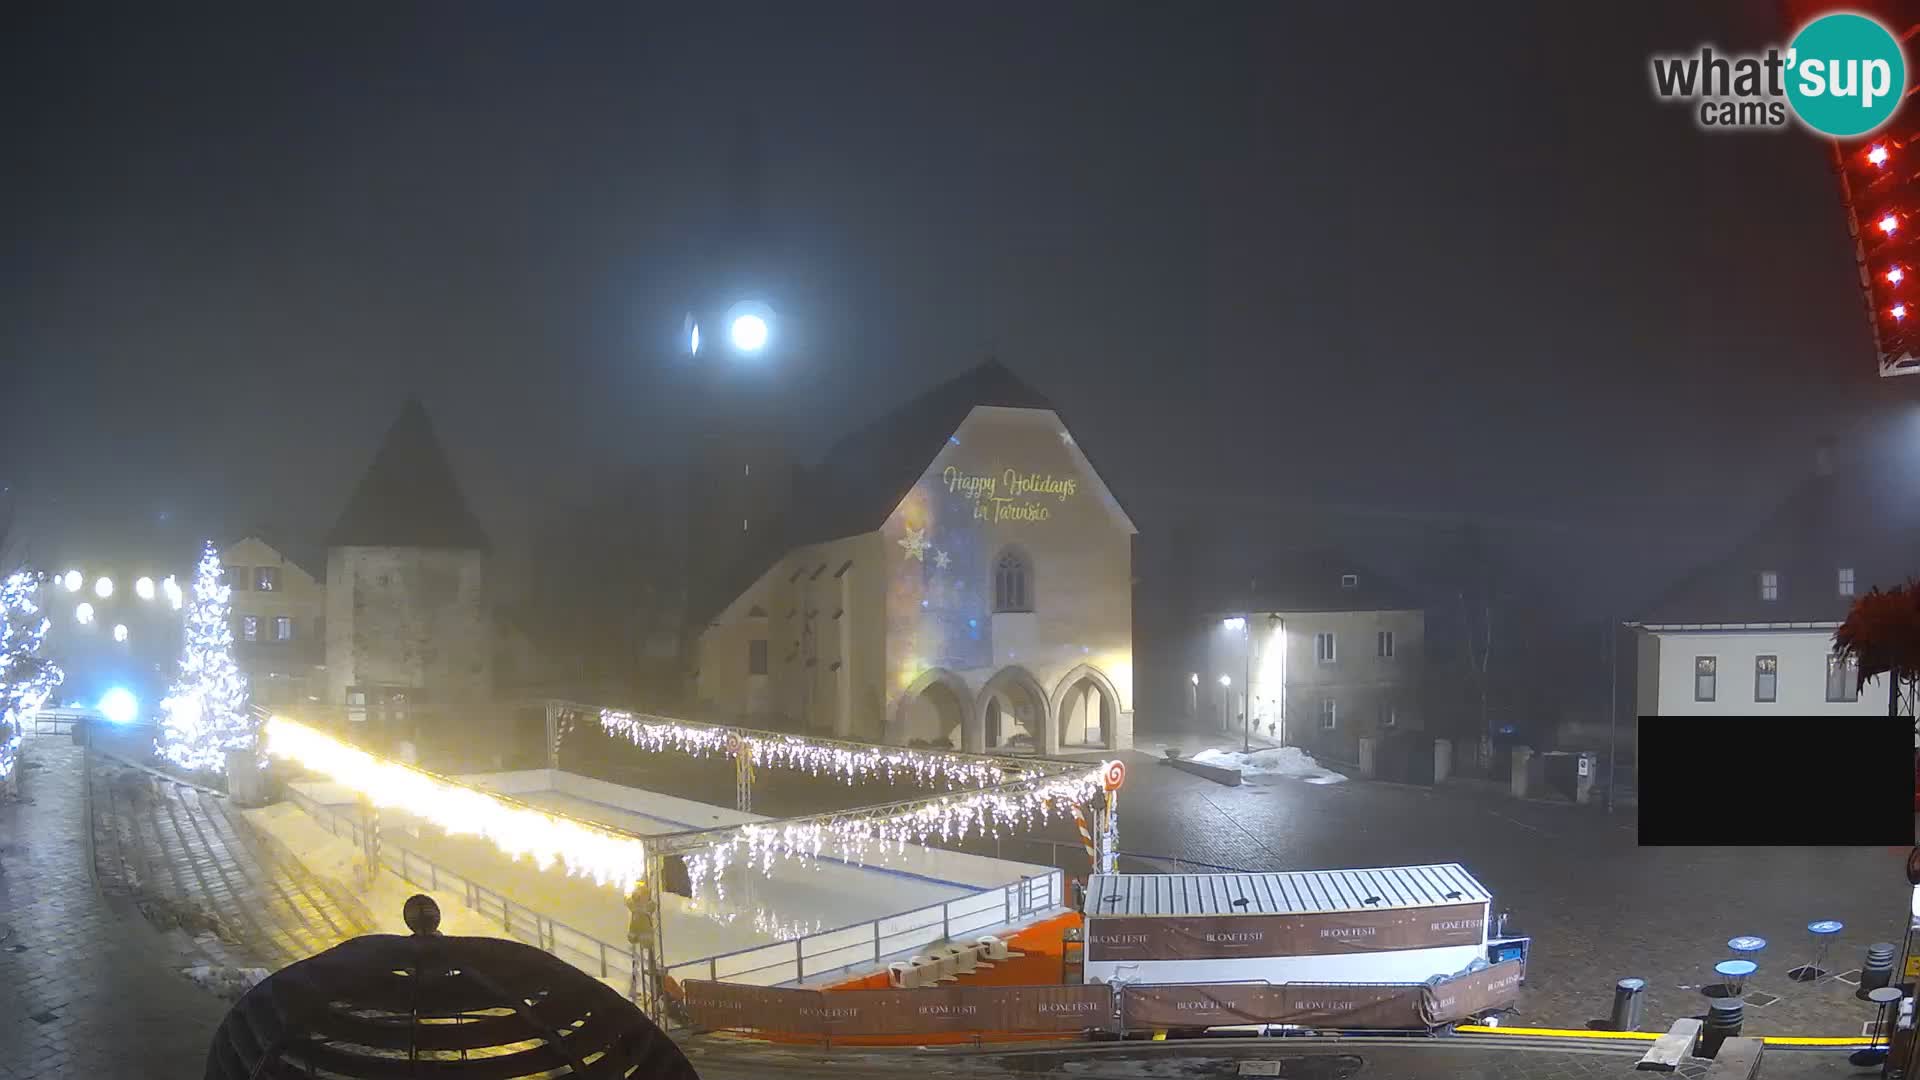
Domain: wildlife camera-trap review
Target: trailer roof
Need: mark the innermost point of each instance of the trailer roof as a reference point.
(1297, 892)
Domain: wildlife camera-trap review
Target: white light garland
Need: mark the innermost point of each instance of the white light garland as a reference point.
(26, 677)
(848, 761)
(606, 856)
(853, 837)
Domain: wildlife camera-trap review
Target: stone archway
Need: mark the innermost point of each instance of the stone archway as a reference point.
(1086, 710)
(936, 707)
(1010, 705)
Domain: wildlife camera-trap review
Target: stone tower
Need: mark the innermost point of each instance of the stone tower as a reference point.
(407, 619)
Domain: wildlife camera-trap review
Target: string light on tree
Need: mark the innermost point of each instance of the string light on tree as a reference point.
(1877, 155)
(26, 677)
(205, 713)
(1888, 223)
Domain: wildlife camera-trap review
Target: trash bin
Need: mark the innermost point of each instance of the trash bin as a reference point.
(1723, 1022)
(1629, 1004)
(1877, 971)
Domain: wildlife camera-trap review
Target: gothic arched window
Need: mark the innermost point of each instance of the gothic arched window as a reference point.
(1012, 581)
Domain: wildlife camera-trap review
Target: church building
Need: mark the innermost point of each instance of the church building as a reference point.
(954, 574)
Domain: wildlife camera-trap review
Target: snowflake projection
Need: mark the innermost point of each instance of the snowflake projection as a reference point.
(915, 543)
(942, 560)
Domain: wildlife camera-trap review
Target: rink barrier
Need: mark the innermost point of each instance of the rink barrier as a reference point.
(785, 961)
(962, 1009)
(612, 961)
(869, 942)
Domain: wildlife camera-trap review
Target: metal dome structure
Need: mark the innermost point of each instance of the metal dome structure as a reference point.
(388, 1005)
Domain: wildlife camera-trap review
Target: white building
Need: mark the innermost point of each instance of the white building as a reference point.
(1752, 634)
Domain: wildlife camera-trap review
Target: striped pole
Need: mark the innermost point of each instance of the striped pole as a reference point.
(1086, 837)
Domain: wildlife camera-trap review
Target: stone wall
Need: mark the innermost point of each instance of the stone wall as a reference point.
(408, 617)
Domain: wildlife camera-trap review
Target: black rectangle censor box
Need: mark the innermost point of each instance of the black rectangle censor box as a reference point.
(1779, 781)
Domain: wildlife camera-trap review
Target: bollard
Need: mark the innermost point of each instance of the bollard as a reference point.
(1629, 1003)
(1723, 1023)
(1877, 971)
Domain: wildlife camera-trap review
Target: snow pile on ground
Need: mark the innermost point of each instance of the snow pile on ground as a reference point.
(1280, 761)
(228, 982)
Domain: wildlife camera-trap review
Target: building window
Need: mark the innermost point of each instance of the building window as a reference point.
(1012, 582)
(1843, 678)
(1769, 585)
(1766, 678)
(1349, 581)
(1383, 644)
(1846, 581)
(249, 628)
(1705, 673)
(282, 628)
(266, 578)
(1323, 648)
(757, 656)
(1329, 714)
(1389, 716)
(237, 578)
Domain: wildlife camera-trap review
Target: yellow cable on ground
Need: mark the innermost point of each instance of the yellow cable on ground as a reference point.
(1649, 1036)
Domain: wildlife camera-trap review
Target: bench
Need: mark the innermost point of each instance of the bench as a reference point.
(1670, 1049)
(1738, 1059)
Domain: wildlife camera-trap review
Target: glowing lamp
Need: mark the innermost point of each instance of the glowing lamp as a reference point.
(1234, 624)
(119, 631)
(174, 595)
(120, 706)
(1896, 275)
(1888, 223)
(1226, 680)
(749, 333)
(1195, 677)
(143, 588)
(103, 588)
(84, 614)
(1877, 155)
(72, 580)
(1898, 311)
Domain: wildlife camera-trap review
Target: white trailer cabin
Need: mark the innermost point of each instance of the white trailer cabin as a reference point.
(1403, 924)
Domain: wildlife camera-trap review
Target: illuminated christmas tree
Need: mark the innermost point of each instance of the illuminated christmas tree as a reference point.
(26, 677)
(205, 713)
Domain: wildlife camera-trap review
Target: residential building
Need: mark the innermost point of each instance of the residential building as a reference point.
(956, 573)
(1752, 633)
(406, 614)
(1326, 652)
(279, 621)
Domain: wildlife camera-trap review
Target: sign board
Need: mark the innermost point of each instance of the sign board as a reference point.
(1114, 775)
(1586, 766)
(1330, 933)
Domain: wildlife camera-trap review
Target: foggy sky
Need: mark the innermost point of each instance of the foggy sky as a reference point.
(1380, 256)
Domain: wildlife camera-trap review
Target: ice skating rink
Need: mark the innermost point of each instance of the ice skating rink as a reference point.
(758, 908)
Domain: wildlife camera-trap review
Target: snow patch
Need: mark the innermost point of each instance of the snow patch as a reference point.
(228, 982)
(1290, 761)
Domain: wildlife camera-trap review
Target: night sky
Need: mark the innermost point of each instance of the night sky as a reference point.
(1378, 256)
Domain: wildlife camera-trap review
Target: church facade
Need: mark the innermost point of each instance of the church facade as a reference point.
(958, 574)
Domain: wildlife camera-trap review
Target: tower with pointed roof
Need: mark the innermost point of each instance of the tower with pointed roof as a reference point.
(406, 617)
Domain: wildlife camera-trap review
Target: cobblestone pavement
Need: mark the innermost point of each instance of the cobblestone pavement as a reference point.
(87, 987)
(196, 869)
(1598, 907)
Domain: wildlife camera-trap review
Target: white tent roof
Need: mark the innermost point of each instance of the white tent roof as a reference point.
(1299, 892)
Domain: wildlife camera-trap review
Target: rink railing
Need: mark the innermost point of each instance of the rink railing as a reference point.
(609, 960)
(871, 941)
(765, 965)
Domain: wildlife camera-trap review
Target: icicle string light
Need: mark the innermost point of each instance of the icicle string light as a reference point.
(871, 835)
(849, 761)
(606, 856)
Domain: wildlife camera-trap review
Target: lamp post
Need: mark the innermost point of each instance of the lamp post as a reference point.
(1241, 623)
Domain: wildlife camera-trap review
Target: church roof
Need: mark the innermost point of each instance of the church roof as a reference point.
(863, 477)
(408, 497)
